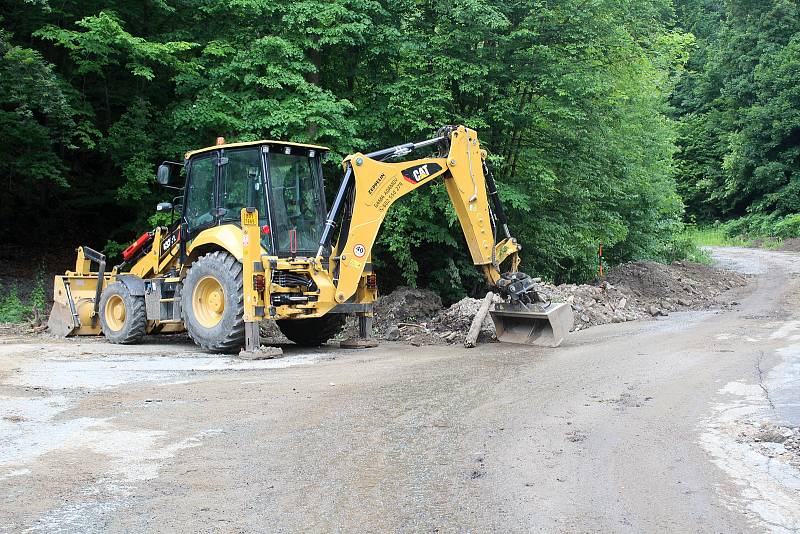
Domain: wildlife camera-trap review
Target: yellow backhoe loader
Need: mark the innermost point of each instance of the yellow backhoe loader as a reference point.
(252, 241)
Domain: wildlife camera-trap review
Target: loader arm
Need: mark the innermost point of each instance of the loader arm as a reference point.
(371, 186)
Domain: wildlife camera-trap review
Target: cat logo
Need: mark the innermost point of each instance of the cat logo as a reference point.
(416, 174)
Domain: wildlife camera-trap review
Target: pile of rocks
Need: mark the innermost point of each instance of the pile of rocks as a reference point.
(631, 292)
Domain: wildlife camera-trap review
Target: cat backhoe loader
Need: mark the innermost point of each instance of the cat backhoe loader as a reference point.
(253, 241)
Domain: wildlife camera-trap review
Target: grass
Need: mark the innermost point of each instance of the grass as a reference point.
(13, 310)
(714, 237)
(699, 255)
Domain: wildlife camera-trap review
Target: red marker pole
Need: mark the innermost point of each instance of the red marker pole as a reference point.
(600, 271)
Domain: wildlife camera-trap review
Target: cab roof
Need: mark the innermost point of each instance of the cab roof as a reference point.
(253, 143)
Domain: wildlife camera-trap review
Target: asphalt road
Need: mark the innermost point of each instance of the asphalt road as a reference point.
(625, 428)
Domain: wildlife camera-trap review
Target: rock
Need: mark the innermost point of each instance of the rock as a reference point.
(617, 319)
(769, 436)
(684, 302)
(392, 333)
(622, 303)
(654, 311)
(263, 353)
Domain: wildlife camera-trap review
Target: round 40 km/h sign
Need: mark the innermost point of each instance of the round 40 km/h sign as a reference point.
(359, 250)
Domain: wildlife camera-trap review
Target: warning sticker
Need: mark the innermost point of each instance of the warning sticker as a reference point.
(359, 250)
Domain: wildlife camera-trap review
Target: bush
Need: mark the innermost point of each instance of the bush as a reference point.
(11, 308)
(761, 226)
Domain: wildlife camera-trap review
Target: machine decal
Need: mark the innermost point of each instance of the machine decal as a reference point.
(388, 194)
(420, 172)
(376, 184)
(359, 250)
(169, 242)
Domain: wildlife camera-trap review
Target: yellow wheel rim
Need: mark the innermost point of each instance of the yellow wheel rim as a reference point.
(208, 302)
(115, 312)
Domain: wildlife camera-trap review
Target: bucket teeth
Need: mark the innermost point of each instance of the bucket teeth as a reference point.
(545, 328)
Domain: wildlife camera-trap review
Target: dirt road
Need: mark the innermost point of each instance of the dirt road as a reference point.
(633, 427)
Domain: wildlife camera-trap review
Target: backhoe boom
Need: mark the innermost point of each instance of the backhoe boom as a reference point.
(370, 187)
(374, 185)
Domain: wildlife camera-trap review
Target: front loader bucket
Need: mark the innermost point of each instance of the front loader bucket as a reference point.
(61, 322)
(73, 312)
(542, 326)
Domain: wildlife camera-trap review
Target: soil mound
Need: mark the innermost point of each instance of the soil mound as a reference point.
(791, 245)
(678, 281)
(406, 305)
(632, 291)
(452, 324)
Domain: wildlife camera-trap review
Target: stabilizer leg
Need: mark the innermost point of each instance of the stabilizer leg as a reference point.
(364, 339)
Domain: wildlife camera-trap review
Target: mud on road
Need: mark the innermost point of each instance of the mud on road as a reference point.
(679, 423)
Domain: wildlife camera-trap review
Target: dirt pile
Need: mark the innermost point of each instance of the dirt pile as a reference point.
(790, 245)
(632, 291)
(452, 324)
(640, 289)
(406, 305)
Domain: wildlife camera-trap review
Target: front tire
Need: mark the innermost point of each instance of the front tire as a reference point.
(212, 302)
(122, 316)
(312, 332)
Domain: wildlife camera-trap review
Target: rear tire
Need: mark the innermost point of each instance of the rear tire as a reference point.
(212, 302)
(312, 332)
(122, 316)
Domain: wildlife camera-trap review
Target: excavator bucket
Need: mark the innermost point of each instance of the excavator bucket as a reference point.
(539, 325)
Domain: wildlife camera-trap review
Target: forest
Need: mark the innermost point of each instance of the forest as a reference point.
(613, 122)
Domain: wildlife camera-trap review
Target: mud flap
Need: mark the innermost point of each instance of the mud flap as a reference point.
(539, 325)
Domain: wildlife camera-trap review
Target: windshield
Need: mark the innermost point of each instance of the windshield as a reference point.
(240, 184)
(298, 216)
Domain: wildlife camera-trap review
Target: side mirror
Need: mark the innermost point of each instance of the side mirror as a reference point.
(164, 176)
(164, 206)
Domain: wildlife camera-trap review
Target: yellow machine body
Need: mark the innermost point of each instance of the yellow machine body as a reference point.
(339, 282)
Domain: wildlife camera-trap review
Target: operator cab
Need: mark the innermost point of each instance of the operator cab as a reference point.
(283, 181)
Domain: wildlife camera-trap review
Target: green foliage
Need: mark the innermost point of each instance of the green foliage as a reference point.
(12, 310)
(714, 236)
(569, 98)
(739, 109)
(37, 298)
(112, 249)
(762, 226)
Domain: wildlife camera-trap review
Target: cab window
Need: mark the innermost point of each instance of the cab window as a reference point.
(242, 184)
(298, 216)
(200, 195)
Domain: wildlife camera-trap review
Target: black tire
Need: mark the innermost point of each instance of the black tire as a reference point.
(226, 335)
(312, 332)
(130, 325)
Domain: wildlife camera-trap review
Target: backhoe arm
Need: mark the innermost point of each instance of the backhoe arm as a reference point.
(371, 186)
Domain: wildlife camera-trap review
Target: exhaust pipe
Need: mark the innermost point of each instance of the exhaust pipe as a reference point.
(539, 325)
